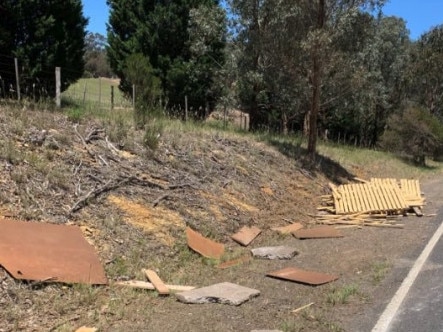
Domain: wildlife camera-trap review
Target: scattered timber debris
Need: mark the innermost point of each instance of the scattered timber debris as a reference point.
(375, 203)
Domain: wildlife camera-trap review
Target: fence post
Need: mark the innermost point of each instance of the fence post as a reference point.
(112, 97)
(84, 94)
(99, 92)
(57, 87)
(186, 108)
(133, 96)
(17, 79)
(3, 88)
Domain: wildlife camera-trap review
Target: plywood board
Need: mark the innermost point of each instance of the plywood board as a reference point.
(156, 281)
(48, 252)
(289, 228)
(148, 285)
(246, 235)
(204, 246)
(302, 276)
(318, 233)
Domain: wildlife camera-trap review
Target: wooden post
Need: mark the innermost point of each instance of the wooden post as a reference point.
(57, 87)
(133, 96)
(112, 97)
(99, 92)
(3, 88)
(17, 79)
(84, 94)
(186, 108)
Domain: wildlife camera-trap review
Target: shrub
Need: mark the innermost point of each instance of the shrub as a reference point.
(415, 133)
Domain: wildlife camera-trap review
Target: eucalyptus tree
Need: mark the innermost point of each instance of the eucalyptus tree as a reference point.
(291, 44)
(426, 76)
(369, 84)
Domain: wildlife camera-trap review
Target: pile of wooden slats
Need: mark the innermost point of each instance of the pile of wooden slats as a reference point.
(373, 203)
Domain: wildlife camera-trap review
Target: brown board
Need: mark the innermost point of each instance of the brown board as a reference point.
(302, 276)
(246, 235)
(317, 233)
(48, 252)
(289, 228)
(203, 245)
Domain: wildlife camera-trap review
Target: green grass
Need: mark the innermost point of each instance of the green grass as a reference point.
(341, 295)
(379, 271)
(98, 93)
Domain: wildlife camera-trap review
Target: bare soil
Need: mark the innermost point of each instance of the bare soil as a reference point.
(133, 205)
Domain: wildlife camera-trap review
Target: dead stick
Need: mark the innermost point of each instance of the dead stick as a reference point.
(92, 154)
(302, 308)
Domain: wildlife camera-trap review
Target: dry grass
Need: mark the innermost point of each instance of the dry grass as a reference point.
(211, 180)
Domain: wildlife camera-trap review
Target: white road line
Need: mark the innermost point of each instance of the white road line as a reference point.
(386, 318)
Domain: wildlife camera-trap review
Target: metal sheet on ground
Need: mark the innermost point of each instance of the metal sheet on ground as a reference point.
(203, 245)
(302, 276)
(246, 235)
(48, 252)
(321, 232)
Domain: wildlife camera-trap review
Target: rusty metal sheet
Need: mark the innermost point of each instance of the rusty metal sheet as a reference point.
(203, 245)
(234, 262)
(246, 235)
(302, 276)
(48, 252)
(321, 232)
(289, 228)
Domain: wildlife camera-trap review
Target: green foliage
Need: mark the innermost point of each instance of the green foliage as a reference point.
(415, 133)
(96, 62)
(42, 35)
(183, 41)
(425, 74)
(153, 132)
(138, 71)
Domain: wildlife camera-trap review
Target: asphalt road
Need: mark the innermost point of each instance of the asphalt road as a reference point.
(417, 306)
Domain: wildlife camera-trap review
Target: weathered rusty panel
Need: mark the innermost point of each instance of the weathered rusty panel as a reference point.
(41, 251)
(321, 232)
(302, 276)
(203, 245)
(246, 235)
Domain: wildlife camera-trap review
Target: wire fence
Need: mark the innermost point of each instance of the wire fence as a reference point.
(16, 84)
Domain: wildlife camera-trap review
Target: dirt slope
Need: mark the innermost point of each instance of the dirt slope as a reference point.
(133, 205)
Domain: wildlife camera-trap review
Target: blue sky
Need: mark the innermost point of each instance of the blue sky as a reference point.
(420, 15)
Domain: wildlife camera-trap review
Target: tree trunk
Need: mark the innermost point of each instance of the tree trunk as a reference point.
(284, 124)
(316, 82)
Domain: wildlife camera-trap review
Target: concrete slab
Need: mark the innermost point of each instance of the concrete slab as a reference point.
(246, 235)
(225, 293)
(280, 252)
